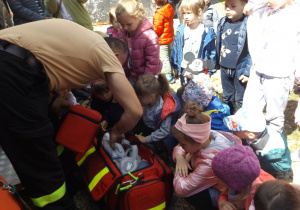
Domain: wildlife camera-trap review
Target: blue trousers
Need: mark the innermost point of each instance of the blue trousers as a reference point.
(233, 89)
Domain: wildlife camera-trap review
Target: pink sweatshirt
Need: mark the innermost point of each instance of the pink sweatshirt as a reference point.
(202, 177)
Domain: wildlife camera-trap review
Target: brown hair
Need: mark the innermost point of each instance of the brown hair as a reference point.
(196, 6)
(116, 45)
(132, 7)
(194, 115)
(148, 84)
(277, 195)
(99, 87)
(160, 2)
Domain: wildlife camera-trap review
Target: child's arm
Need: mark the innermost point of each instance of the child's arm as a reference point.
(182, 165)
(211, 52)
(153, 64)
(158, 24)
(174, 54)
(200, 179)
(162, 132)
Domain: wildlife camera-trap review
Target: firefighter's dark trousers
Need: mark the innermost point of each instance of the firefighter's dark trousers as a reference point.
(26, 133)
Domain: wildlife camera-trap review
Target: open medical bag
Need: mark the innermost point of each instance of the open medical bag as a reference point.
(150, 187)
(79, 128)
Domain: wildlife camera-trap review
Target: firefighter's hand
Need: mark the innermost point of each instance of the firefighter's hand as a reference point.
(60, 107)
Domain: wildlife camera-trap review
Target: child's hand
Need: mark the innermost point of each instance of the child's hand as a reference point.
(188, 157)
(244, 78)
(225, 205)
(141, 138)
(104, 125)
(182, 166)
(248, 9)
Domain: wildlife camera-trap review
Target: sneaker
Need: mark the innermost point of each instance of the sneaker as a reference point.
(295, 156)
(170, 78)
(172, 81)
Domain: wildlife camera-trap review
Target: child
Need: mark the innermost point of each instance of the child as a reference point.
(113, 30)
(269, 145)
(160, 108)
(101, 97)
(163, 27)
(103, 101)
(142, 42)
(272, 73)
(196, 139)
(277, 195)
(200, 90)
(237, 169)
(232, 53)
(193, 36)
(210, 16)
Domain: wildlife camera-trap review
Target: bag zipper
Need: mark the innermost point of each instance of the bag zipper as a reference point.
(85, 117)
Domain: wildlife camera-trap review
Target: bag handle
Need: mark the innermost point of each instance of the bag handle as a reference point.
(57, 11)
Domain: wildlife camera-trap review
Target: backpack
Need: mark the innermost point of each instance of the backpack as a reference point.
(145, 188)
(276, 159)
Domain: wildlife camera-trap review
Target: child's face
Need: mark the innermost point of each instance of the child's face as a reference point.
(115, 24)
(191, 19)
(104, 96)
(234, 9)
(188, 146)
(129, 23)
(276, 4)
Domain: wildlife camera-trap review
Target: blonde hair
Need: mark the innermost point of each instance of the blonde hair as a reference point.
(196, 6)
(132, 7)
(112, 15)
(244, 193)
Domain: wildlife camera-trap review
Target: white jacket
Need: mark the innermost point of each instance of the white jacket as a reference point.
(274, 40)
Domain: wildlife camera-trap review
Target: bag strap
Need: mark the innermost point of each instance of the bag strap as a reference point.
(57, 11)
(13, 190)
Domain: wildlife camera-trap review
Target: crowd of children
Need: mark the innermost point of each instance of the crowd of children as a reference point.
(227, 154)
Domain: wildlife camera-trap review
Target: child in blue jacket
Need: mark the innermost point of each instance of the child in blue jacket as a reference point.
(193, 36)
(232, 53)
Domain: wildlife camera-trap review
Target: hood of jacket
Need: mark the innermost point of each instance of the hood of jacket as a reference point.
(144, 26)
(166, 11)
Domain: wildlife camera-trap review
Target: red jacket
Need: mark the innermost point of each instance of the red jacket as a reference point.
(264, 176)
(163, 24)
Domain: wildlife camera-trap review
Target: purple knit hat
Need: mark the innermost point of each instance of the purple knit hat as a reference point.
(236, 166)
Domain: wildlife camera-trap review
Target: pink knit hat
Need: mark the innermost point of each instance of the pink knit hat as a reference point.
(236, 166)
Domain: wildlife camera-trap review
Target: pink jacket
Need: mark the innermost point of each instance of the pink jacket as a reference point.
(264, 176)
(202, 177)
(144, 57)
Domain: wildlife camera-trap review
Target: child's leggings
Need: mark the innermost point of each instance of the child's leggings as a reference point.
(233, 89)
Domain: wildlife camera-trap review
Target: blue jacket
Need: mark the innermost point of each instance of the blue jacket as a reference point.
(27, 10)
(244, 61)
(206, 52)
(217, 111)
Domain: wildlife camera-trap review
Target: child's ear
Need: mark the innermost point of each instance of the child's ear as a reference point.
(251, 136)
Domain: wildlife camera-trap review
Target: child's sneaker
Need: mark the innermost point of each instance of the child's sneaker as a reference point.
(295, 156)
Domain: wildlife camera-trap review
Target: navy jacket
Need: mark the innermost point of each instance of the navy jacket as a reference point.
(25, 11)
(206, 52)
(244, 61)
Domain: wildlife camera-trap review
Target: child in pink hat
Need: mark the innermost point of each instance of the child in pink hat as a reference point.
(198, 144)
(238, 170)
